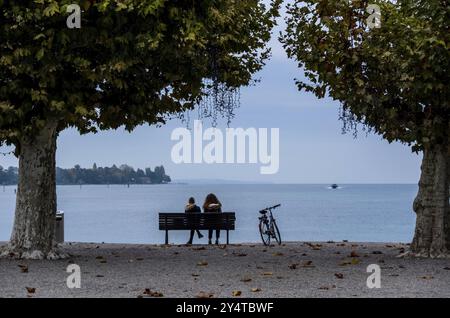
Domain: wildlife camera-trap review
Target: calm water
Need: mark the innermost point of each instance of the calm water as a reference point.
(309, 212)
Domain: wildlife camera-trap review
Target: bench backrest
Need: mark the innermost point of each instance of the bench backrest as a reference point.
(200, 221)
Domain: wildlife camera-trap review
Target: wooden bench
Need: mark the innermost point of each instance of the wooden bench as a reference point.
(197, 221)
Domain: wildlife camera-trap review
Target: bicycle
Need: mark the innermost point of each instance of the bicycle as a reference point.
(268, 227)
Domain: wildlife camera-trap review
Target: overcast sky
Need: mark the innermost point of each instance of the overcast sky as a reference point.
(312, 148)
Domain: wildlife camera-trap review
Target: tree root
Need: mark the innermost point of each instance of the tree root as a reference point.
(14, 253)
(425, 253)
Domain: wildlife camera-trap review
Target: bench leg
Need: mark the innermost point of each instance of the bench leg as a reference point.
(167, 237)
(228, 237)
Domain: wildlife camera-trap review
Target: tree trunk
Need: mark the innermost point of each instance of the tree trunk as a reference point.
(432, 234)
(34, 224)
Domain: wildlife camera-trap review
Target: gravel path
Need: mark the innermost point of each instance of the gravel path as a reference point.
(291, 270)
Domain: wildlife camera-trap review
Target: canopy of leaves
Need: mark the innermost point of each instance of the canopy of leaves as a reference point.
(393, 79)
(131, 62)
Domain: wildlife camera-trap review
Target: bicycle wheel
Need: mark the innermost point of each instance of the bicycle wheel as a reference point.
(265, 232)
(276, 232)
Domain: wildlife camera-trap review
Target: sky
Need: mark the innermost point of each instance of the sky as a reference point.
(312, 147)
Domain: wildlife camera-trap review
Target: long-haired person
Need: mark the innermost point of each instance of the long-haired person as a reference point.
(212, 205)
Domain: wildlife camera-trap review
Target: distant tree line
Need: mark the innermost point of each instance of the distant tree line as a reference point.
(8, 176)
(97, 175)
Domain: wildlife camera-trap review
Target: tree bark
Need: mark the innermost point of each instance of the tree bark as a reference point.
(432, 233)
(34, 224)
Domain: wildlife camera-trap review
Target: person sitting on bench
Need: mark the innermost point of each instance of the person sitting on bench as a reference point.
(191, 207)
(212, 205)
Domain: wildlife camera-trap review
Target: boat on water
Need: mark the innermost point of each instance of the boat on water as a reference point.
(334, 186)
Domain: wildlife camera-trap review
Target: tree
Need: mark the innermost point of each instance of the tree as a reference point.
(132, 62)
(394, 79)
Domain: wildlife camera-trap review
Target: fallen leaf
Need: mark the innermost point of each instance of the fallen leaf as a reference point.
(151, 293)
(377, 252)
(267, 274)
(240, 254)
(278, 254)
(355, 261)
(354, 254)
(99, 276)
(202, 248)
(293, 266)
(246, 279)
(203, 294)
(31, 290)
(255, 290)
(202, 263)
(236, 293)
(195, 275)
(307, 264)
(427, 277)
(139, 259)
(339, 275)
(23, 268)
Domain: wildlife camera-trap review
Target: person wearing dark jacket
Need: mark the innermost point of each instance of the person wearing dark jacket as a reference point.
(212, 205)
(191, 207)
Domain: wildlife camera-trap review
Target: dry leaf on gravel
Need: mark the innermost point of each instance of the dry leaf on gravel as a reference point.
(31, 290)
(151, 293)
(293, 266)
(240, 254)
(256, 290)
(246, 279)
(278, 254)
(427, 277)
(354, 254)
(267, 274)
(203, 294)
(307, 264)
(236, 293)
(202, 263)
(23, 268)
(339, 275)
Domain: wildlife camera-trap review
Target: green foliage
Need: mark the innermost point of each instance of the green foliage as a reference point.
(111, 175)
(132, 61)
(394, 79)
(8, 176)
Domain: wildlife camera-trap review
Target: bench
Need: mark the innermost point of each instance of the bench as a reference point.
(197, 221)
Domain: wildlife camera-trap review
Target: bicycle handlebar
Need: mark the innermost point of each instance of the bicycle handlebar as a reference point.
(271, 208)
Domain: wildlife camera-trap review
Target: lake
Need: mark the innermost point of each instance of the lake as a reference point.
(118, 214)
